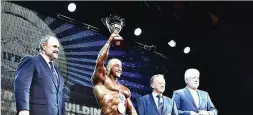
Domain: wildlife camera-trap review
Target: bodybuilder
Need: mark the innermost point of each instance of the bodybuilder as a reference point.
(113, 97)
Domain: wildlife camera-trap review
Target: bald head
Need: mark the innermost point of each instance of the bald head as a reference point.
(114, 67)
(49, 46)
(157, 82)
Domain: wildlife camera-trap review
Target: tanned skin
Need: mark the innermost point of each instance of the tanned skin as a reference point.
(106, 88)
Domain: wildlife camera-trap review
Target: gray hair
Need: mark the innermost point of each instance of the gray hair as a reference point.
(189, 72)
(153, 77)
(43, 41)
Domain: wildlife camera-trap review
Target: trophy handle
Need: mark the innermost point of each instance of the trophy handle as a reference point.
(107, 23)
(122, 22)
(103, 21)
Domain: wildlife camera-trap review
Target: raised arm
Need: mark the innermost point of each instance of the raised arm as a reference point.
(100, 71)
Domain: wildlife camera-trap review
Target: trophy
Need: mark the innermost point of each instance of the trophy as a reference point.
(114, 24)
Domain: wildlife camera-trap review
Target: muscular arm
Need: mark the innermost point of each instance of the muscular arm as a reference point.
(99, 72)
(130, 107)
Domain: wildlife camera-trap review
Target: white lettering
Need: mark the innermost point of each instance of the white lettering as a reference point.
(91, 111)
(86, 110)
(76, 109)
(68, 106)
(96, 111)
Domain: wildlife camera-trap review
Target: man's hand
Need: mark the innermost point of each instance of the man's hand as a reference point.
(23, 112)
(113, 35)
(203, 112)
(193, 113)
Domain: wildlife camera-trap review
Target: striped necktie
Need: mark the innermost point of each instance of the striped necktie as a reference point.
(55, 78)
(160, 104)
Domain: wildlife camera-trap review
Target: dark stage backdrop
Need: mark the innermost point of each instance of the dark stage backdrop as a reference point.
(21, 32)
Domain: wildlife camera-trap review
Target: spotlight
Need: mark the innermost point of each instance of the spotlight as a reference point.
(137, 31)
(72, 7)
(172, 43)
(187, 50)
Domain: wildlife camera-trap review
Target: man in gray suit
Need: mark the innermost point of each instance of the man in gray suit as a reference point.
(156, 103)
(190, 100)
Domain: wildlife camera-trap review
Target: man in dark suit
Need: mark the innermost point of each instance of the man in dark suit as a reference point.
(39, 85)
(190, 100)
(156, 103)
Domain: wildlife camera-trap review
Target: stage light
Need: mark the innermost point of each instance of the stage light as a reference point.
(72, 7)
(137, 31)
(187, 50)
(172, 43)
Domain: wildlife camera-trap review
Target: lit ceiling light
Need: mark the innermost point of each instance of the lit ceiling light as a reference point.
(187, 50)
(172, 43)
(72, 7)
(137, 31)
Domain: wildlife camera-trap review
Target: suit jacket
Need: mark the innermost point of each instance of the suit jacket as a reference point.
(35, 89)
(185, 102)
(146, 106)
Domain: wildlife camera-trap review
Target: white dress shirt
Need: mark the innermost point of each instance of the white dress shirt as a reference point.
(195, 96)
(154, 94)
(57, 77)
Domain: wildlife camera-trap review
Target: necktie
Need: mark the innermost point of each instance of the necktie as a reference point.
(160, 104)
(54, 73)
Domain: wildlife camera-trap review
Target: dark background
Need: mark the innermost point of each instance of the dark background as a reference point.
(222, 50)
